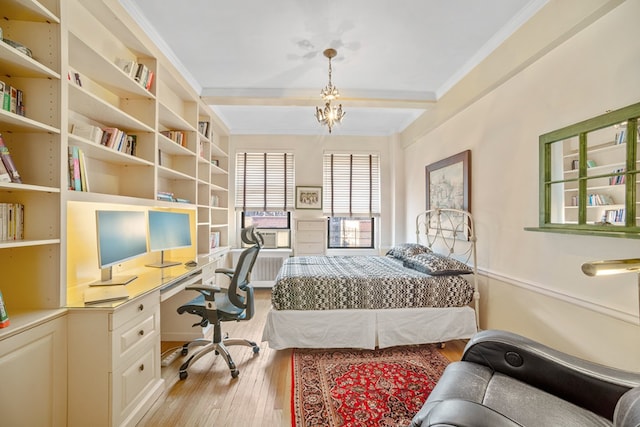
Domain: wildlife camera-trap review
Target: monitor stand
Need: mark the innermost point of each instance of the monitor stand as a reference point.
(107, 279)
(163, 263)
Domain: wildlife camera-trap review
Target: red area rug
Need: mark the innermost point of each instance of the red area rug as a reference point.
(347, 387)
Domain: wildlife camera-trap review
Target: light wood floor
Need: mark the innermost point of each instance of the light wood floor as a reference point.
(260, 396)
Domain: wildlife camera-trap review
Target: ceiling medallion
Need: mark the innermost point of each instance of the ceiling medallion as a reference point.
(329, 115)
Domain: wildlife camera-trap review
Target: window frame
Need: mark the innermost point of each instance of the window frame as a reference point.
(373, 234)
(631, 227)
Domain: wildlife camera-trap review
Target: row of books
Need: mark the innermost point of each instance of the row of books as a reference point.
(139, 72)
(176, 136)
(618, 179)
(621, 136)
(11, 221)
(599, 200)
(110, 137)
(214, 239)
(170, 197)
(575, 164)
(78, 180)
(11, 99)
(613, 215)
(8, 170)
(203, 128)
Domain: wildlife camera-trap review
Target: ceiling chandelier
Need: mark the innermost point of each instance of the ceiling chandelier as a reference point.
(329, 115)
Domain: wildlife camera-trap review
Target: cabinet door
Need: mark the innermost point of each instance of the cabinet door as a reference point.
(33, 368)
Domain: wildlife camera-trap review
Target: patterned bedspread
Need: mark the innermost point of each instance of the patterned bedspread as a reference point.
(363, 282)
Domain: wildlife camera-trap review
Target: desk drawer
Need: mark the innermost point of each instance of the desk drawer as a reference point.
(138, 308)
(132, 383)
(134, 335)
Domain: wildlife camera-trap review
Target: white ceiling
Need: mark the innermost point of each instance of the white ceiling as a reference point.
(260, 63)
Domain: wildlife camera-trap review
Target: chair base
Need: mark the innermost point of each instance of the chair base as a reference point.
(219, 347)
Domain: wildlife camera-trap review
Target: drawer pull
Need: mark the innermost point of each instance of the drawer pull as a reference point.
(141, 368)
(141, 307)
(141, 332)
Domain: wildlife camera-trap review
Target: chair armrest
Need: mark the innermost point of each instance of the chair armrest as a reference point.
(628, 410)
(463, 413)
(226, 271)
(553, 371)
(207, 290)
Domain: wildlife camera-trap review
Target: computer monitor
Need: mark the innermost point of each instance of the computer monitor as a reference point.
(121, 235)
(168, 230)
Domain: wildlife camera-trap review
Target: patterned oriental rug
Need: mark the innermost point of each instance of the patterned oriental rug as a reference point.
(348, 387)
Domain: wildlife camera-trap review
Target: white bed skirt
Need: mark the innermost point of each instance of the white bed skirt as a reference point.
(367, 328)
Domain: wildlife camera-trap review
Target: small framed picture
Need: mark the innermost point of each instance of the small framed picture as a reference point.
(308, 197)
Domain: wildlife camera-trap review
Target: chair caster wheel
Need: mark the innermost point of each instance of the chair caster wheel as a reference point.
(235, 373)
(183, 375)
(256, 349)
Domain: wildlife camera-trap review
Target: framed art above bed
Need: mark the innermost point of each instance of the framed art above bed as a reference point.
(448, 182)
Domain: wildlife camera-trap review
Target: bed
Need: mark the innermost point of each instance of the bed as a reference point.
(420, 292)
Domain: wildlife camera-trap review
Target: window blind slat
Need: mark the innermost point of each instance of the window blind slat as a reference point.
(264, 181)
(351, 185)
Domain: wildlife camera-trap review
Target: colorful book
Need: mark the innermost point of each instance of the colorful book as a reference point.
(77, 182)
(8, 162)
(4, 317)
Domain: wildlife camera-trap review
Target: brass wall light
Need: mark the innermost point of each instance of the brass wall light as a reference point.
(614, 266)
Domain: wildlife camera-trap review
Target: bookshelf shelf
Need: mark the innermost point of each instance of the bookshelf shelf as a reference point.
(28, 10)
(17, 63)
(104, 71)
(14, 123)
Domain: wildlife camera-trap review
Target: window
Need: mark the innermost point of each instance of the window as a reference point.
(351, 188)
(351, 233)
(266, 219)
(589, 176)
(264, 181)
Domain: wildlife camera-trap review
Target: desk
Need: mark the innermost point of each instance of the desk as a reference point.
(114, 347)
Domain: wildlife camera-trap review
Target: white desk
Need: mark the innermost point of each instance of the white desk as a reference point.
(114, 347)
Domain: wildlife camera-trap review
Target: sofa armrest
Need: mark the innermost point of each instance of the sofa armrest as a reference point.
(460, 413)
(555, 372)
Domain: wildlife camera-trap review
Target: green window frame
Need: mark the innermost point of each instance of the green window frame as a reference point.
(590, 178)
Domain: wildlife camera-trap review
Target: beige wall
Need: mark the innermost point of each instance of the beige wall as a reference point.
(533, 283)
(308, 152)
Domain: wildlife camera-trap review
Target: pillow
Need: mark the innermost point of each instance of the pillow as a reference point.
(405, 250)
(437, 265)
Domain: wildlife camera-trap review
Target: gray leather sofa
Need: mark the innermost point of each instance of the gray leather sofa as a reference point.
(505, 379)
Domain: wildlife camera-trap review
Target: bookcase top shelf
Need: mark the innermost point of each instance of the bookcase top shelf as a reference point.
(28, 10)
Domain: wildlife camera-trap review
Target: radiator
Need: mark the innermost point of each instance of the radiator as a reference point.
(266, 269)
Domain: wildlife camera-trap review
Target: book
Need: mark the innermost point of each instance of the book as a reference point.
(13, 105)
(87, 131)
(6, 97)
(129, 66)
(4, 174)
(84, 182)
(8, 162)
(4, 316)
(77, 182)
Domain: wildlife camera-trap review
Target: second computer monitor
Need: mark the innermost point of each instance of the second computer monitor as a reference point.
(168, 230)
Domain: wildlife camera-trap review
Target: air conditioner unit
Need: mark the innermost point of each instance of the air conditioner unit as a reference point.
(270, 239)
(273, 238)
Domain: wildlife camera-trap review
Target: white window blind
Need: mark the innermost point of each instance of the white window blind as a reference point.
(351, 185)
(264, 181)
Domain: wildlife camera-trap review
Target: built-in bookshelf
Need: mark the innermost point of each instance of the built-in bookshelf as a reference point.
(78, 85)
(589, 176)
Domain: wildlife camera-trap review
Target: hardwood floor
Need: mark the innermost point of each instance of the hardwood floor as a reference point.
(260, 396)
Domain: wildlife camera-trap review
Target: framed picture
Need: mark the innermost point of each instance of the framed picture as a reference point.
(308, 197)
(449, 182)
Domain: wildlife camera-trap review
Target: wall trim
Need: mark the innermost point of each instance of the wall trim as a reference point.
(632, 318)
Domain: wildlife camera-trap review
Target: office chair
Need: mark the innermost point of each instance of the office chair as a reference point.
(215, 305)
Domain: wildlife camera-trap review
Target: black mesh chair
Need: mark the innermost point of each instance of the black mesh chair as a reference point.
(215, 305)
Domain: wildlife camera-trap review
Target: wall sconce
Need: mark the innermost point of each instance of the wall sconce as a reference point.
(614, 266)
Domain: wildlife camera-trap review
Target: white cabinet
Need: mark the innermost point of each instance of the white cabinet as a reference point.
(114, 362)
(310, 237)
(33, 369)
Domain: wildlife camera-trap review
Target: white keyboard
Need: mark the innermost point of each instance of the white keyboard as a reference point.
(98, 294)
